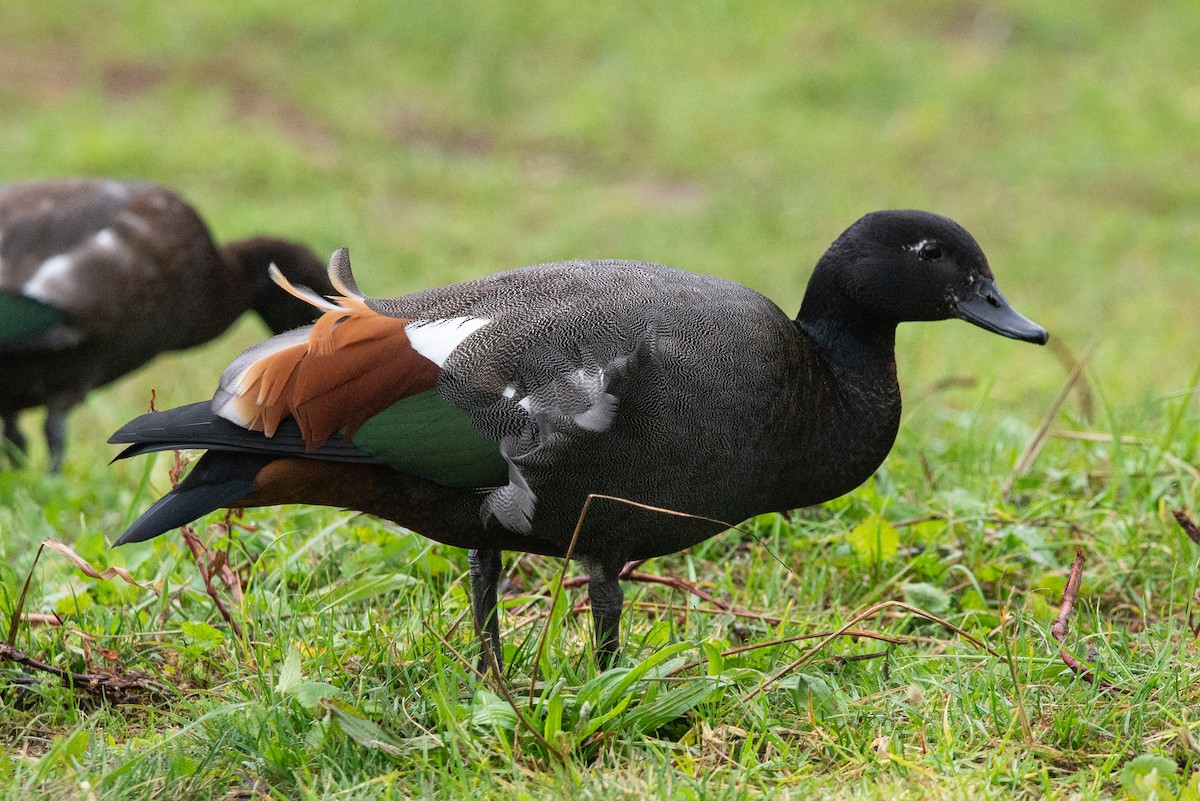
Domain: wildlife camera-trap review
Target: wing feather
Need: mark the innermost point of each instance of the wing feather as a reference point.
(351, 364)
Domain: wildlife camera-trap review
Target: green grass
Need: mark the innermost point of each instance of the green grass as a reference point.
(445, 141)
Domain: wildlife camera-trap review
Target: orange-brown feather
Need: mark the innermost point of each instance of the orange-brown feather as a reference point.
(354, 365)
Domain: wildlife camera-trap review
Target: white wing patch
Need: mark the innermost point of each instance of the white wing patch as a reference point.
(55, 270)
(53, 280)
(437, 339)
(105, 238)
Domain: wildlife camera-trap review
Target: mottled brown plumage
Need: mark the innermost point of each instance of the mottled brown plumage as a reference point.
(121, 271)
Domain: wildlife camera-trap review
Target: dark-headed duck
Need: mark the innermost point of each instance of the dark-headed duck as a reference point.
(98, 276)
(483, 414)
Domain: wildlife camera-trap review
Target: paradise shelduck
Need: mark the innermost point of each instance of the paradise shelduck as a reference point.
(97, 276)
(483, 414)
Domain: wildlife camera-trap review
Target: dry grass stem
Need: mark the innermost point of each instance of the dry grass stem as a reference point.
(1062, 624)
(208, 562)
(841, 632)
(1043, 431)
(114, 687)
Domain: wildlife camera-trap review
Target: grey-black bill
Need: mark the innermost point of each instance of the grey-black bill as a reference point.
(989, 310)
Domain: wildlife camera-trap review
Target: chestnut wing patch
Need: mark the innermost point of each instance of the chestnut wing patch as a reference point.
(344, 371)
(371, 377)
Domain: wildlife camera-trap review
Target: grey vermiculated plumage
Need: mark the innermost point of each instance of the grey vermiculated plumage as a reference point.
(129, 270)
(660, 336)
(644, 382)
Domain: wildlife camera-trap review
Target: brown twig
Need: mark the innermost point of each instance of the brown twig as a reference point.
(754, 646)
(200, 555)
(14, 625)
(558, 586)
(1193, 531)
(207, 563)
(84, 567)
(1011, 660)
(683, 586)
(1062, 625)
(869, 612)
(1187, 524)
(454, 652)
(494, 668)
(1068, 359)
(579, 608)
(628, 566)
(579, 581)
(220, 561)
(116, 688)
(628, 573)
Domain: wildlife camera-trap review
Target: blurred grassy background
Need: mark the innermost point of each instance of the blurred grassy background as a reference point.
(442, 141)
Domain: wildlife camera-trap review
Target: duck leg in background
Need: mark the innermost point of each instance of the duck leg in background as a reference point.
(56, 434)
(607, 598)
(98, 276)
(12, 437)
(484, 566)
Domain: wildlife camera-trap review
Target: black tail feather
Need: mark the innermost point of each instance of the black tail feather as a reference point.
(218, 480)
(195, 426)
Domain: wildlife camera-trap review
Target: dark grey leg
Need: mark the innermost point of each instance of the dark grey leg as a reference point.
(607, 597)
(485, 580)
(56, 436)
(12, 433)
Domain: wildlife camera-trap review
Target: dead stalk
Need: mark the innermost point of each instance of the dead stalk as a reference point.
(863, 633)
(116, 688)
(207, 563)
(1010, 660)
(1043, 432)
(494, 667)
(841, 632)
(1062, 624)
(558, 586)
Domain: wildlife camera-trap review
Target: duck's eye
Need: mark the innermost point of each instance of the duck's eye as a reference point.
(930, 251)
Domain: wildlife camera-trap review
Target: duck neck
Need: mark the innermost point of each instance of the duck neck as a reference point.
(858, 348)
(248, 260)
(850, 399)
(861, 387)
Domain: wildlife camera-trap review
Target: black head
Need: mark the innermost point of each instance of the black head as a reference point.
(279, 310)
(895, 266)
